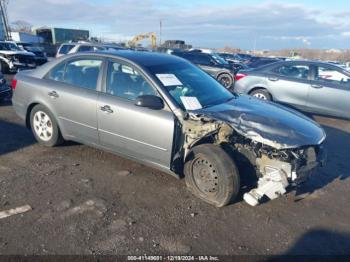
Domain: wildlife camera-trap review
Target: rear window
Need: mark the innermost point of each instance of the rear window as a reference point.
(65, 49)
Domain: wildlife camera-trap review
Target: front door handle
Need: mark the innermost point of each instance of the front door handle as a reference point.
(317, 86)
(106, 109)
(273, 78)
(53, 94)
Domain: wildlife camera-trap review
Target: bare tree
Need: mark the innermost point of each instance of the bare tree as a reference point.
(21, 26)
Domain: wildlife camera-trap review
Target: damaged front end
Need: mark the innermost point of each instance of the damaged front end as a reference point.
(283, 145)
(278, 169)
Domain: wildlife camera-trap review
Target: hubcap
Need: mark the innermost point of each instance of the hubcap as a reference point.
(205, 176)
(225, 81)
(260, 96)
(42, 126)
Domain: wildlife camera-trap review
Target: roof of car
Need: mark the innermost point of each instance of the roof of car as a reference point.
(143, 58)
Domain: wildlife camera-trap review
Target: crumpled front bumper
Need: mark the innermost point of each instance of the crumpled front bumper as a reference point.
(277, 175)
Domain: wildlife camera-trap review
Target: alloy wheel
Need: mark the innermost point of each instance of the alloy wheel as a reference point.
(42, 126)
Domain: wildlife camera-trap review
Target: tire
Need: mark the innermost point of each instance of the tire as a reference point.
(44, 127)
(226, 80)
(221, 181)
(262, 94)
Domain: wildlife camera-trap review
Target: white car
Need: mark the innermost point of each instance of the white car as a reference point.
(72, 48)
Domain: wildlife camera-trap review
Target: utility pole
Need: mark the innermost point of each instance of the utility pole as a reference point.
(160, 32)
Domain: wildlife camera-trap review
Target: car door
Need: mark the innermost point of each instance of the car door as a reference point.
(72, 93)
(289, 83)
(206, 63)
(128, 129)
(330, 91)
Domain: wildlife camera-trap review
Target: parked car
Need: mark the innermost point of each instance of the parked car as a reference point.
(315, 87)
(5, 90)
(232, 57)
(165, 112)
(40, 54)
(211, 63)
(12, 58)
(71, 48)
(256, 62)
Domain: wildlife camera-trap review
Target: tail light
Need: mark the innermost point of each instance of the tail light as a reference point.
(240, 76)
(14, 84)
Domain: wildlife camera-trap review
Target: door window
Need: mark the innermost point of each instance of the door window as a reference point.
(201, 59)
(126, 82)
(331, 75)
(293, 71)
(65, 49)
(81, 73)
(57, 73)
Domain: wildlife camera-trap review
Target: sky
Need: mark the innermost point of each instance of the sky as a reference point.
(248, 24)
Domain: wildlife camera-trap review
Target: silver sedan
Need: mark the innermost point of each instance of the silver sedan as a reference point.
(315, 87)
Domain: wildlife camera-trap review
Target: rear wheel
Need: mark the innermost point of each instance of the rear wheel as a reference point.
(262, 94)
(44, 127)
(212, 175)
(226, 80)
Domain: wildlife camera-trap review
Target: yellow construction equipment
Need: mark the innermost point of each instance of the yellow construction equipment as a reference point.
(141, 37)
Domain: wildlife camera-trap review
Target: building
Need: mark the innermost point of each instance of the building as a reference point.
(176, 44)
(56, 36)
(26, 37)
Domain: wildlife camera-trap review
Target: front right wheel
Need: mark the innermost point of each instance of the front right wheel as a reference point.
(212, 175)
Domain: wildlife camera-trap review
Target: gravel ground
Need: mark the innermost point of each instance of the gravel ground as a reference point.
(85, 201)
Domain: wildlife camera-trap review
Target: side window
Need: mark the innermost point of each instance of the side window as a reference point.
(126, 82)
(293, 71)
(57, 73)
(85, 48)
(202, 59)
(65, 49)
(83, 73)
(331, 75)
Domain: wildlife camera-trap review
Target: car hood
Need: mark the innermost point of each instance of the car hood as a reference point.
(266, 122)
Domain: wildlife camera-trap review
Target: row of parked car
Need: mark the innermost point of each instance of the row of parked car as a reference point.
(310, 86)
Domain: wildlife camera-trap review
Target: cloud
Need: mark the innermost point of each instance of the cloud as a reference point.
(269, 24)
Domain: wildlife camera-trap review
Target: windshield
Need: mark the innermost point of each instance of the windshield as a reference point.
(184, 80)
(9, 47)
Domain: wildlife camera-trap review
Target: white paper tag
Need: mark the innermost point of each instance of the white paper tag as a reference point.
(169, 80)
(191, 102)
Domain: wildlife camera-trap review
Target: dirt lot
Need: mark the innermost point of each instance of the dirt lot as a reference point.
(86, 201)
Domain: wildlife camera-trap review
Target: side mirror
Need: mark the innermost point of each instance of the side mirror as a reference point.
(150, 101)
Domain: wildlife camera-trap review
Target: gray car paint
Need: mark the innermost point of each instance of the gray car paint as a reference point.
(305, 94)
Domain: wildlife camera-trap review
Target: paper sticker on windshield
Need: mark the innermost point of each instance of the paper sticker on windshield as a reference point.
(169, 80)
(190, 102)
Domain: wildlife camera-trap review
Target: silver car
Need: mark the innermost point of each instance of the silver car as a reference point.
(315, 87)
(165, 112)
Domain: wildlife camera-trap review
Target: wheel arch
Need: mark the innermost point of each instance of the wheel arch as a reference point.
(30, 108)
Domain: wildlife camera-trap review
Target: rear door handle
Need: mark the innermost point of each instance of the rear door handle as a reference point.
(272, 78)
(316, 86)
(53, 94)
(106, 109)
